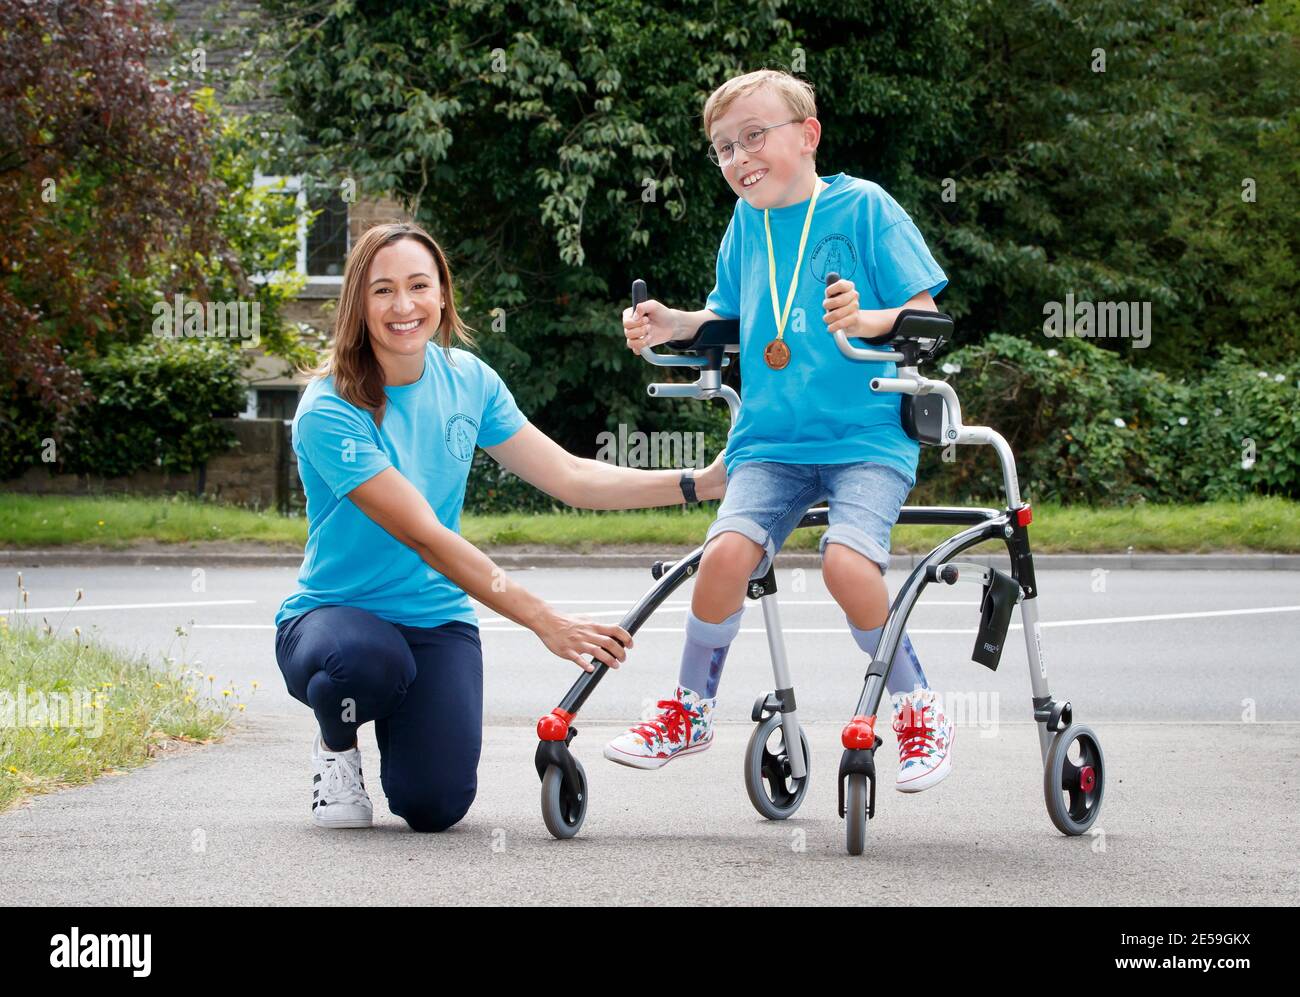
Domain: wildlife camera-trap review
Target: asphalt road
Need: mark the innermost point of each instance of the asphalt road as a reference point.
(1189, 678)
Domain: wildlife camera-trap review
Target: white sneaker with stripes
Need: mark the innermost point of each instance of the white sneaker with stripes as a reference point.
(338, 792)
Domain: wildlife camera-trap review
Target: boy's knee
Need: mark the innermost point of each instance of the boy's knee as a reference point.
(856, 583)
(841, 562)
(730, 555)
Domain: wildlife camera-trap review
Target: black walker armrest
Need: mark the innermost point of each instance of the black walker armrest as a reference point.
(716, 332)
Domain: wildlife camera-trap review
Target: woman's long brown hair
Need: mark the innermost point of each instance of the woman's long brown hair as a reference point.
(358, 376)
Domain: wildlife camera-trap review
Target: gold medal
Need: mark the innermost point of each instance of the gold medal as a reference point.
(777, 353)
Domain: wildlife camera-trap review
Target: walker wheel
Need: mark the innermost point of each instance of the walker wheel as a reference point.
(855, 812)
(564, 806)
(1074, 779)
(772, 790)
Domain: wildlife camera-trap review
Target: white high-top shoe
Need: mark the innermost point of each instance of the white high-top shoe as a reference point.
(685, 726)
(925, 733)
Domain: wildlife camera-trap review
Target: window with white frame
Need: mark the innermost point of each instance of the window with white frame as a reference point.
(322, 245)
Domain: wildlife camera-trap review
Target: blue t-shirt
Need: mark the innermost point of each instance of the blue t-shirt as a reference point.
(429, 432)
(820, 408)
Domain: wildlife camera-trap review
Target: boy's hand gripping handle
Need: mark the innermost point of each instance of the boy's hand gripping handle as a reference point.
(639, 297)
(855, 353)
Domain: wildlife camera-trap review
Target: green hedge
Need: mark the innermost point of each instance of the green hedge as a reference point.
(1086, 425)
(1089, 427)
(154, 407)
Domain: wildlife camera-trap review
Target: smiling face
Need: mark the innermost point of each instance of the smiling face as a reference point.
(782, 172)
(403, 302)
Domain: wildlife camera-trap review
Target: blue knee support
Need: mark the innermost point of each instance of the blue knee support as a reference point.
(705, 652)
(905, 674)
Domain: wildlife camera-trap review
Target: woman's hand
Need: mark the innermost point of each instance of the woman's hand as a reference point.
(711, 483)
(653, 323)
(571, 637)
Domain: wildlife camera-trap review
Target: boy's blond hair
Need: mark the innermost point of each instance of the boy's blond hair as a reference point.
(796, 93)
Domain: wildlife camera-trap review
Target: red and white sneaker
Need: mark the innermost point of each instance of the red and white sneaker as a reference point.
(684, 726)
(925, 734)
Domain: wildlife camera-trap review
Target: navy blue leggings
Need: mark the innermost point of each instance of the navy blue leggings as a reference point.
(423, 688)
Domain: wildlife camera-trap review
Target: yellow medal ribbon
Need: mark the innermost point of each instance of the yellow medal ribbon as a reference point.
(782, 318)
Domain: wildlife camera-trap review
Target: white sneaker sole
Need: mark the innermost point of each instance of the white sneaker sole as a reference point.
(341, 822)
(935, 776)
(645, 761)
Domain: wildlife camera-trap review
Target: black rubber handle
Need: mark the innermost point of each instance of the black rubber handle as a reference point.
(638, 293)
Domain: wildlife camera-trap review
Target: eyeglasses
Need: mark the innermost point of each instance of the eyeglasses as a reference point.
(751, 141)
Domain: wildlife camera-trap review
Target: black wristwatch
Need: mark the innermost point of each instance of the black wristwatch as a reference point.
(687, 483)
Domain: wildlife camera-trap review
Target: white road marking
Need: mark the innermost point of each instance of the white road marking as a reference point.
(134, 605)
(1097, 621)
(1152, 618)
(784, 602)
(1170, 616)
(677, 607)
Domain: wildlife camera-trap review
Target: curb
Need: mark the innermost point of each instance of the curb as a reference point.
(514, 558)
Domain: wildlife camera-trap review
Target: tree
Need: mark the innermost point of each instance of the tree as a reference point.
(122, 185)
(101, 164)
(557, 150)
(1096, 148)
(1105, 157)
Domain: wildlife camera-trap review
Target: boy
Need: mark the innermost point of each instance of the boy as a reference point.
(809, 425)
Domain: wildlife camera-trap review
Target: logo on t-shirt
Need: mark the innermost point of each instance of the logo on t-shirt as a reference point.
(462, 431)
(834, 254)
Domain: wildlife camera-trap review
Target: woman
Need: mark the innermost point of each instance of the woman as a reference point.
(381, 626)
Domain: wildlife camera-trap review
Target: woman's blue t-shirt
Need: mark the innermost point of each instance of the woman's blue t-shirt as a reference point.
(429, 432)
(820, 408)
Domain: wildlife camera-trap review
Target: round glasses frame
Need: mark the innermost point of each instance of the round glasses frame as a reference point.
(728, 154)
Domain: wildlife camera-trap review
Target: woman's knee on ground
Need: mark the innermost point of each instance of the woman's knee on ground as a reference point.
(432, 810)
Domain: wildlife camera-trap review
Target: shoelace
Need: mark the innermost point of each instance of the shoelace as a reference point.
(342, 783)
(916, 732)
(674, 714)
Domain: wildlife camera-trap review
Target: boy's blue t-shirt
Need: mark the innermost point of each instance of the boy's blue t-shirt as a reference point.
(820, 408)
(429, 432)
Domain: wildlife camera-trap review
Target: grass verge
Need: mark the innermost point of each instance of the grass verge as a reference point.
(73, 708)
(1256, 524)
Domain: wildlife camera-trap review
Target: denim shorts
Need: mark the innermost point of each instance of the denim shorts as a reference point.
(765, 501)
